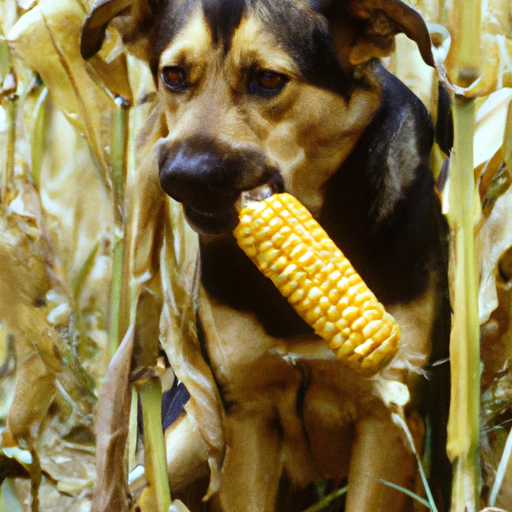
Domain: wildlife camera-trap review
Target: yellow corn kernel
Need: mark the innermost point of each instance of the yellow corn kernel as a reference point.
(291, 248)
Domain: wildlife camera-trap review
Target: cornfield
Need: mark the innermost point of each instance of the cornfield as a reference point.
(91, 253)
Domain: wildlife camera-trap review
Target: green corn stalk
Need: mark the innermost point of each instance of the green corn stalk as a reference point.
(463, 427)
(150, 394)
(77, 287)
(118, 291)
(9, 91)
(37, 144)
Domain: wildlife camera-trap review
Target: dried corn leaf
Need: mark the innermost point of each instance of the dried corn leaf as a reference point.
(27, 4)
(494, 239)
(177, 265)
(507, 139)
(26, 276)
(8, 16)
(490, 121)
(35, 390)
(24, 279)
(111, 491)
(113, 76)
(50, 499)
(178, 506)
(495, 235)
(35, 305)
(145, 202)
(7, 373)
(408, 65)
(137, 355)
(56, 25)
(179, 339)
(72, 195)
(154, 220)
(145, 207)
(71, 466)
(431, 10)
(143, 89)
(479, 73)
(9, 502)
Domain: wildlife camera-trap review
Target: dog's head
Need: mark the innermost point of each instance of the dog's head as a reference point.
(256, 91)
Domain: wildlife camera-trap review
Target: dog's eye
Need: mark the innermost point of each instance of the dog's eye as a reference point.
(270, 80)
(268, 83)
(174, 78)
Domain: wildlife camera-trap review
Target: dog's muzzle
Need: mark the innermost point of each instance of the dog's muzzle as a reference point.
(208, 178)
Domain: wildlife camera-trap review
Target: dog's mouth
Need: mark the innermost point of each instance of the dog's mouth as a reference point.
(219, 214)
(213, 220)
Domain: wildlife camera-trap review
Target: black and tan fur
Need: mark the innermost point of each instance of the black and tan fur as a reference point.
(353, 144)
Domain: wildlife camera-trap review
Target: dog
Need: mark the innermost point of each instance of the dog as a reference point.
(292, 94)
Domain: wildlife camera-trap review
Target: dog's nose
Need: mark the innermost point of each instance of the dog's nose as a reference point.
(201, 167)
(188, 170)
(208, 176)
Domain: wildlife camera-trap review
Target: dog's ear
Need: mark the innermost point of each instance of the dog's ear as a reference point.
(134, 22)
(366, 29)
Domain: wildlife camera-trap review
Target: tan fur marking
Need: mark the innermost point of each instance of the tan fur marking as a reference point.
(253, 44)
(416, 319)
(192, 45)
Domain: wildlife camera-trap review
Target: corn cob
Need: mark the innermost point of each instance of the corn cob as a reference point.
(285, 242)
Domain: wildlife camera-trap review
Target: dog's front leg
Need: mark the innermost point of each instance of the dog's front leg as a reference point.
(379, 452)
(253, 462)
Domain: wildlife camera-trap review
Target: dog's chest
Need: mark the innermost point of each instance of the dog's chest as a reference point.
(294, 382)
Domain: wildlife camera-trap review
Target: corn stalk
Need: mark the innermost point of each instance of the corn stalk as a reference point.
(9, 91)
(118, 290)
(150, 394)
(463, 427)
